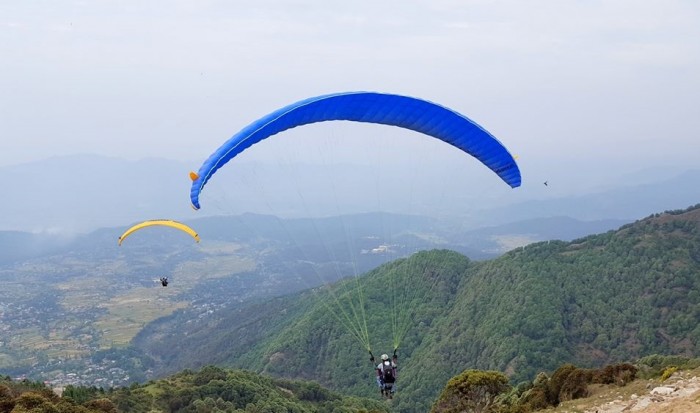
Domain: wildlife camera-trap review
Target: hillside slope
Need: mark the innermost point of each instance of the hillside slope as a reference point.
(600, 299)
(679, 394)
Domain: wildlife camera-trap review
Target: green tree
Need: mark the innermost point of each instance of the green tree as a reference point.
(472, 391)
(34, 403)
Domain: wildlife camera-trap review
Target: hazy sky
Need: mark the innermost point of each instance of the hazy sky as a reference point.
(559, 82)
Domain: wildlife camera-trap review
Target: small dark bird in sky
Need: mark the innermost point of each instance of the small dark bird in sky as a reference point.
(545, 183)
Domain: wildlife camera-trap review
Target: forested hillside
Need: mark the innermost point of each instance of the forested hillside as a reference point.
(209, 390)
(600, 299)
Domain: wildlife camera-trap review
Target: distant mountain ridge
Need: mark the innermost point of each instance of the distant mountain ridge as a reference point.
(626, 202)
(595, 300)
(480, 243)
(80, 193)
(502, 238)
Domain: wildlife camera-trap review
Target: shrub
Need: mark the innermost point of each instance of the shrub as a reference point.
(668, 372)
(472, 390)
(619, 374)
(536, 399)
(102, 405)
(575, 385)
(654, 365)
(557, 381)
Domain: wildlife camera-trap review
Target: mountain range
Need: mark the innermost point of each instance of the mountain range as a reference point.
(599, 299)
(82, 193)
(519, 288)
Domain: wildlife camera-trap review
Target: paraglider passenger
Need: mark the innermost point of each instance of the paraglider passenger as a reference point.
(164, 281)
(386, 374)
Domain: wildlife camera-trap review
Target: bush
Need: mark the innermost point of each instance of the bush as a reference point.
(472, 390)
(619, 374)
(536, 399)
(668, 372)
(556, 382)
(654, 365)
(32, 401)
(102, 405)
(575, 386)
(568, 382)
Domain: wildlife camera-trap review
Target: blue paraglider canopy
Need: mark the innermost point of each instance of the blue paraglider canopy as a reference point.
(402, 111)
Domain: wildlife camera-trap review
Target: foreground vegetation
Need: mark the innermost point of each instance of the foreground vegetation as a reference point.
(213, 389)
(489, 391)
(209, 390)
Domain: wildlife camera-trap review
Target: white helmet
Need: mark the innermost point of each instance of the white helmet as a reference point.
(385, 357)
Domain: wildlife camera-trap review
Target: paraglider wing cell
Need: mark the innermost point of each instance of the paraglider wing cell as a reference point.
(395, 110)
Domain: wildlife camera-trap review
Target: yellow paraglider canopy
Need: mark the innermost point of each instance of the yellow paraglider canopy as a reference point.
(165, 222)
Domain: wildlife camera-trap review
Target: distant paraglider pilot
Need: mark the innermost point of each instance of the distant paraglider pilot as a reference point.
(164, 281)
(386, 374)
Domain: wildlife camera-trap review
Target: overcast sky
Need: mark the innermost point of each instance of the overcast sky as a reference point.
(559, 82)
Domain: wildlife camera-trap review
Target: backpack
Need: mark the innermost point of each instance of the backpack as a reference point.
(388, 372)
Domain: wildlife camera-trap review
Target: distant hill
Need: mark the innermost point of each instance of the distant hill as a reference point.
(360, 231)
(502, 238)
(595, 300)
(631, 201)
(81, 193)
(557, 227)
(17, 245)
